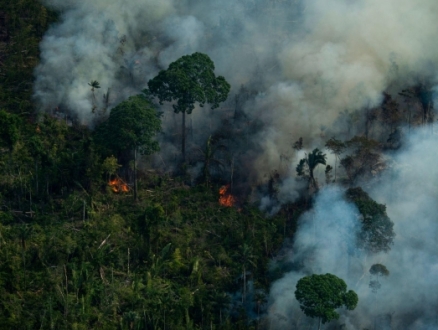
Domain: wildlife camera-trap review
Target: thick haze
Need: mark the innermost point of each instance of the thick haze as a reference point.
(325, 243)
(307, 60)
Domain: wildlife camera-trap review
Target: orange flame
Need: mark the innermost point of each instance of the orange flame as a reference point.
(118, 185)
(225, 198)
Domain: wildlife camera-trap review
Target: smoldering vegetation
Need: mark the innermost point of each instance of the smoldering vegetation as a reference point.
(311, 69)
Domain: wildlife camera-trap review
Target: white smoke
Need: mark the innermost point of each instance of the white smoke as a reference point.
(309, 60)
(325, 244)
(107, 41)
(344, 55)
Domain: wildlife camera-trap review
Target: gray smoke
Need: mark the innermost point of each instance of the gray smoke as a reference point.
(344, 55)
(306, 60)
(325, 243)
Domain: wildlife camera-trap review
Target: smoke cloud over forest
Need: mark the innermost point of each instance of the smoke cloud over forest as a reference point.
(303, 63)
(307, 61)
(326, 243)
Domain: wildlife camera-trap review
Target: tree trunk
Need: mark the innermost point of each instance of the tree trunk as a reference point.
(232, 173)
(183, 137)
(367, 123)
(135, 173)
(312, 179)
(244, 285)
(319, 326)
(36, 178)
(83, 210)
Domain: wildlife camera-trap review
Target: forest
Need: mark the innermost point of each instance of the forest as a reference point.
(251, 164)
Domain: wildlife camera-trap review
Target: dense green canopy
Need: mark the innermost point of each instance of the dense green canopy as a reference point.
(132, 124)
(188, 80)
(320, 296)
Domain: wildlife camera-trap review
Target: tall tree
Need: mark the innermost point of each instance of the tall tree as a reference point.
(131, 125)
(320, 295)
(391, 114)
(246, 258)
(209, 159)
(189, 80)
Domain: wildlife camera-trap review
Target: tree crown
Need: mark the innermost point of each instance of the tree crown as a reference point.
(309, 163)
(188, 80)
(131, 124)
(379, 270)
(320, 295)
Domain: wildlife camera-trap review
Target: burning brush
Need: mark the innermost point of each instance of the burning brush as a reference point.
(225, 197)
(118, 185)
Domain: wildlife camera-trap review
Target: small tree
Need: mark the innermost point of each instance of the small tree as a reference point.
(307, 165)
(337, 147)
(209, 159)
(377, 270)
(298, 145)
(131, 125)
(365, 159)
(246, 258)
(189, 80)
(328, 174)
(377, 233)
(320, 295)
(94, 84)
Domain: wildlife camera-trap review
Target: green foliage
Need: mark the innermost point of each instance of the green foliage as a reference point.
(376, 234)
(25, 23)
(320, 295)
(110, 165)
(190, 80)
(166, 261)
(131, 125)
(307, 165)
(10, 131)
(94, 84)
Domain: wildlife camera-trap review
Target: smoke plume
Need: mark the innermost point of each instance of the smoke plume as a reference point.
(325, 243)
(304, 61)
